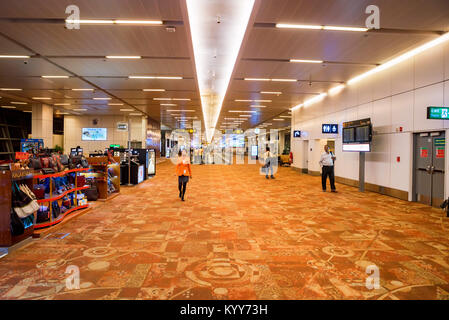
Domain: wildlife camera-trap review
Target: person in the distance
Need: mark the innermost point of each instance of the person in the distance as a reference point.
(184, 172)
(327, 164)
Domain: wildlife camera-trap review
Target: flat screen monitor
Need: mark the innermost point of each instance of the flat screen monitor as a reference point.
(254, 151)
(94, 134)
(363, 133)
(348, 135)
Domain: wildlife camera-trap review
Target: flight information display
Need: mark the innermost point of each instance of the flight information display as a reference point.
(348, 135)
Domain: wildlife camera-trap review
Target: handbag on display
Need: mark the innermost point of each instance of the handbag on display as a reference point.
(39, 191)
(55, 209)
(43, 214)
(48, 171)
(35, 163)
(64, 159)
(66, 202)
(17, 226)
(22, 203)
(80, 181)
(91, 193)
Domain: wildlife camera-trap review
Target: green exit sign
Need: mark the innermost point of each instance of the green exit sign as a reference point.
(440, 113)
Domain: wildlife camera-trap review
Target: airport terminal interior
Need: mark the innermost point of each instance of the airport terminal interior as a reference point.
(224, 150)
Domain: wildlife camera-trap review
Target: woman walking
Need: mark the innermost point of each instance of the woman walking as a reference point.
(184, 172)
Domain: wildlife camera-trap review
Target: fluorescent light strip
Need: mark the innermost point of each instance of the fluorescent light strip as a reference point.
(156, 77)
(41, 98)
(55, 77)
(17, 102)
(82, 89)
(253, 100)
(169, 104)
(10, 89)
(278, 119)
(242, 111)
(123, 57)
(306, 61)
(336, 89)
(125, 110)
(135, 114)
(115, 104)
(79, 109)
(28, 111)
(257, 106)
(13, 57)
(316, 27)
(8, 107)
(101, 21)
(204, 32)
(180, 110)
(274, 80)
(102, 98)
(402, 58)
(154, 90)
(289, 117)
(271, 92)
(62, 104)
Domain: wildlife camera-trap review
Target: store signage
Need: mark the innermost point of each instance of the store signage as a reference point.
(22, 155)
(122, 126)
(254, 151)
(112, 146)
(140, 174)
(296, 134)
(27, 145)
(440, 152)
(329, 128)
(440, 142)
(424, 153)
(438, 113)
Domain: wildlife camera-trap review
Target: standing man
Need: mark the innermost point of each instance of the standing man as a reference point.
(327, 164)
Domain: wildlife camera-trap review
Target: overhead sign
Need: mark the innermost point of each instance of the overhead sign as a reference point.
(438, 113)
(329, 128)
(296, 134)
(122, 126)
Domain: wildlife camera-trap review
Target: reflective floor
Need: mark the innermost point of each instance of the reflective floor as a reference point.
(239, 236)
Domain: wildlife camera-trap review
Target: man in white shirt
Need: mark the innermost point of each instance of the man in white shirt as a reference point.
(327, 164)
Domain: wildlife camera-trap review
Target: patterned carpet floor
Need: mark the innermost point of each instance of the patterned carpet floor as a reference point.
(238, 236)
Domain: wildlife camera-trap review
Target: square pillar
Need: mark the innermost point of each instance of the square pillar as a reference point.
(42, 124)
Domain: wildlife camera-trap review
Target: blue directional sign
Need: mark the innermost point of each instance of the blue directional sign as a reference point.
(330, 128)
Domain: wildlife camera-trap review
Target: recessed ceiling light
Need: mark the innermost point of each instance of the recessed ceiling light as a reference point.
(41, 98)
(13, 57)
(306, 61)
(154, 90)
(123, 57)
(8, 107)
(62, 104)
(316, 27)
(10, 89)
(155, 77)
(62, 113)
(115, 104)
(55, 77)
(17, 102)
(101, 98)
(125, 110)
(83, 89)
(245, 116)
(257, 106)
(278, 119)
(80, 109)
(28, 111)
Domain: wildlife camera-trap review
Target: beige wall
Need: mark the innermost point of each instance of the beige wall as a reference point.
(74, 124)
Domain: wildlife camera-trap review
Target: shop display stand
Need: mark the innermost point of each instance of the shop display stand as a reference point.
(7, 178)
(79, 209)
(100, 164)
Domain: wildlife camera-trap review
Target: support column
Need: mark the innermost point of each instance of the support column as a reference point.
(42, 124)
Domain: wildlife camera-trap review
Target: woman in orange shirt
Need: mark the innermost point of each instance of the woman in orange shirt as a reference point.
(184, 172)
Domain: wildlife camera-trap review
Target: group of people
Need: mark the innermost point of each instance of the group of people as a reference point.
(184, 169)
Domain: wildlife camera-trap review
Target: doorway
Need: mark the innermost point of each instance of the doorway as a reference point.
(428, 177)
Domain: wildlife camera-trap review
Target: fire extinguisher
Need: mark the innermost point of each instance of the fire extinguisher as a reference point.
(291, 157)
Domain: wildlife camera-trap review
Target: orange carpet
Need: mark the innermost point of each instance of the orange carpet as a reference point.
(238, 236)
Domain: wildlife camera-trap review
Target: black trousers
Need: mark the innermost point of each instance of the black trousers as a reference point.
(182, 184)
(328, 171)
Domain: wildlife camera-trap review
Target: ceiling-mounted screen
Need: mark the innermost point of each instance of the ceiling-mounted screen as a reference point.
(94, 134)
(357, 135)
